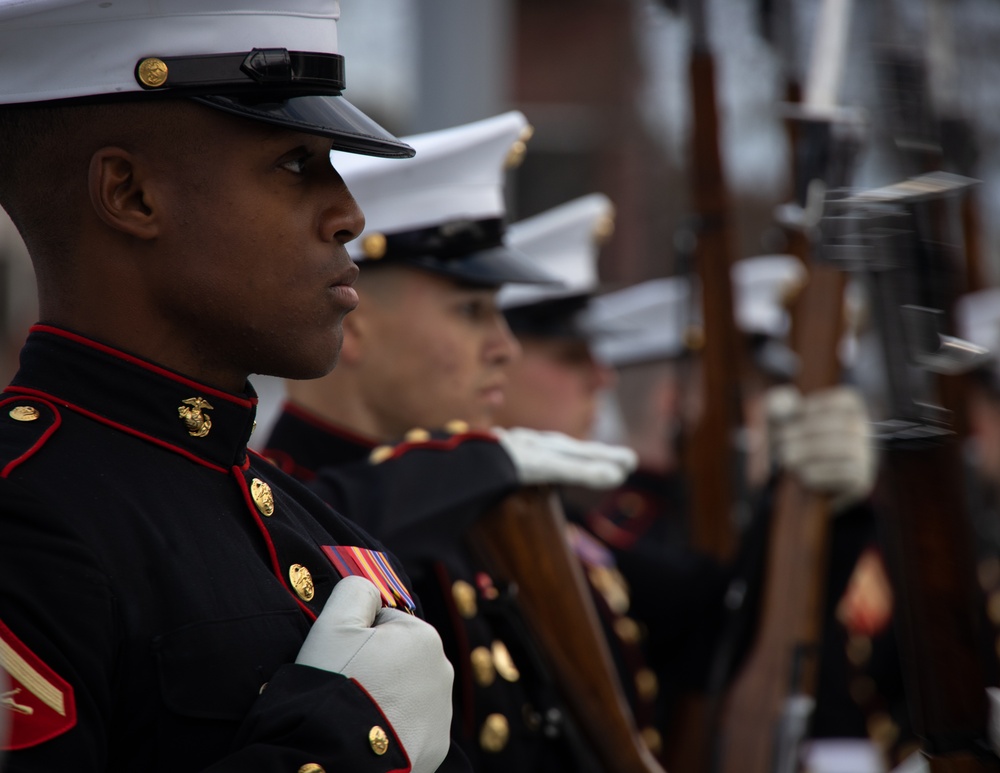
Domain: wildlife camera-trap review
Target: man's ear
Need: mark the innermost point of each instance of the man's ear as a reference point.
(120, 193)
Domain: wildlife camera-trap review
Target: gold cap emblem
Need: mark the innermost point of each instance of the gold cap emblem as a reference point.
(515, 156)
(302, 582)
(152, 72)
(312, 767)
(374, 246)
(495, 733)
(262, 496)
(482, 666)
(379, 740)
(192, 411)
(465, 598)
(604, 228)
(24, 413)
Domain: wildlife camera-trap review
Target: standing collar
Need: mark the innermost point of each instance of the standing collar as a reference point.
(137, 396)
(302, 443)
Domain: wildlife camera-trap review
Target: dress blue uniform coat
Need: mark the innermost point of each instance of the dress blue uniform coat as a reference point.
(148, 612)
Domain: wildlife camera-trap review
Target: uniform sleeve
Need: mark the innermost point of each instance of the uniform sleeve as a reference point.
(422, 495)
(61, 642)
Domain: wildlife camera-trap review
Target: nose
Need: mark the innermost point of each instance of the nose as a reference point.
(503, 347)
(342, 219)
(601, 376)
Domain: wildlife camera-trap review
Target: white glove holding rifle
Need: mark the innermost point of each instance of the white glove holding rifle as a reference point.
(552, 457)
(396, 657)
(824, 440)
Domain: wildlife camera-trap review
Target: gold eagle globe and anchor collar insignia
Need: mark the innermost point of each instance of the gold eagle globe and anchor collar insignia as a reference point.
(192, 412)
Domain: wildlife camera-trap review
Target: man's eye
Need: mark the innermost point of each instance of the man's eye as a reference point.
(296, 165)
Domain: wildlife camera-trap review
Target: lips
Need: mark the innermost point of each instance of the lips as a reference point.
(342, 290)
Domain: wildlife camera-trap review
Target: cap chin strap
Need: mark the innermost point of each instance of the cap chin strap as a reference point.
(260, 70)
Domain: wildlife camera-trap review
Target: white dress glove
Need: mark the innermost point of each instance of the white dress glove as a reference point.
(824, 440)
(552, 457)
(396, 657)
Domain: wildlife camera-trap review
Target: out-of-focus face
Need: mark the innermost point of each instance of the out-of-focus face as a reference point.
(434, 351)
(555, 386)
(255, 275)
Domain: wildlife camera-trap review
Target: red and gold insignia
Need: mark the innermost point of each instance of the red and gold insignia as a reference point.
(372, 565)
(39, 704)
(866, 606)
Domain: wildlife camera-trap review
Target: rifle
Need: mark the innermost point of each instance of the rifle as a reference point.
(768, 707)
(890, 235)
(708, 454)
(523, 542)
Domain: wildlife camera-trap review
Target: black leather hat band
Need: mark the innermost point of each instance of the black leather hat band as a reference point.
(262, 69)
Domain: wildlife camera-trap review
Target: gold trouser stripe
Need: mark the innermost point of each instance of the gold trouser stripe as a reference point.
(33, 681)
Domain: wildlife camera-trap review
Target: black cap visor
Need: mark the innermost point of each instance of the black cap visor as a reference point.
(328, 116)
(490, 267)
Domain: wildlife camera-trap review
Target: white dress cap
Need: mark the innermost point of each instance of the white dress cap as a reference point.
(762, 287)
(444, 209)
(225, 53)
(565, 241)
(642, 323)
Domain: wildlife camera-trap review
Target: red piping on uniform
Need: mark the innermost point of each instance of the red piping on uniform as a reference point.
(391, 728)
(38, 443)
(244, 402)
(121, 427)
(271, 551)
(441, 445)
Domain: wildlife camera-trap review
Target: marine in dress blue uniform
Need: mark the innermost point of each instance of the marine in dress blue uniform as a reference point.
(163, 591)
(436, 224)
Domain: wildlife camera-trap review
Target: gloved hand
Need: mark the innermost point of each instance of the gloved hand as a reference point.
(552, 457)
(396, 657)
(823, 439)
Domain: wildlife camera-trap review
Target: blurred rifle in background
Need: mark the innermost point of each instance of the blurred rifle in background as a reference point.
(767, 710)
(894, 236)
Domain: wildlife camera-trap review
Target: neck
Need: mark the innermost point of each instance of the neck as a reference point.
(336, 399)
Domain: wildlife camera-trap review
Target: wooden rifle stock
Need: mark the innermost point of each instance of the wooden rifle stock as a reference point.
(784, 661)
(523, 541)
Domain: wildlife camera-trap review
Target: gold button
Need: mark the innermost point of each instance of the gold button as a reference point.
(882, 729)
(312, 767)
(24, 413)
(465, 598)
(152, 72)
(379, 740)
(302, 582)
(482, 666)
(504, 663)
(417, 435)
(628, 630)
(374, 246)
(262, 496)
(380, 454)
(495, 733)
(646, 684)
(457, 427)
(652, 738)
